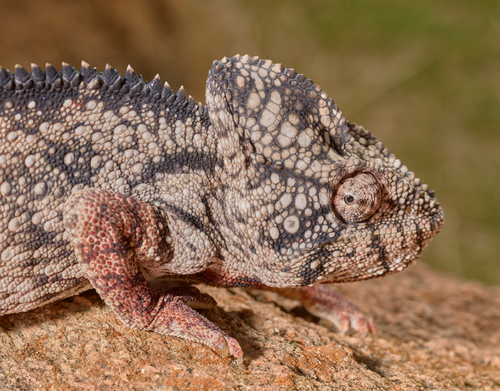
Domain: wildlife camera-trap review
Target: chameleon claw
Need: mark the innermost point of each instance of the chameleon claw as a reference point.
(325, 303)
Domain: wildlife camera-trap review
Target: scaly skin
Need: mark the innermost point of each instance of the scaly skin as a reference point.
(110, 182)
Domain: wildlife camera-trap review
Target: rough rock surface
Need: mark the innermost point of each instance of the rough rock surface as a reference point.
(434, 333)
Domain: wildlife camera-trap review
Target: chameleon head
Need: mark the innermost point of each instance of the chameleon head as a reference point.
(311, 197)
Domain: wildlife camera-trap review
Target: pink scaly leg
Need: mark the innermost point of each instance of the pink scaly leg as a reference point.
(113, 234)
(326, 303)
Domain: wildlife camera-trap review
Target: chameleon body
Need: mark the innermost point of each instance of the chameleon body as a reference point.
(109, 182)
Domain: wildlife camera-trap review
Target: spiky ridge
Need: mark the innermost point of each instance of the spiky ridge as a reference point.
(110, 81)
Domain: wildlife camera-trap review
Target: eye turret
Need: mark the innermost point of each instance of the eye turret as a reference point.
(357, 198)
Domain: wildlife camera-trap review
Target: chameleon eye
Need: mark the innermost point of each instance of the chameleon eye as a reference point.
(357, 198)
(349, 199)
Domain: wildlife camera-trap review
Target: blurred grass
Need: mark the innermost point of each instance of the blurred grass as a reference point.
(423, 76)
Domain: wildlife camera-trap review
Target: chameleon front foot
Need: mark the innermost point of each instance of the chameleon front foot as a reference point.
(176, 318)
(326, 303)
(114, 235)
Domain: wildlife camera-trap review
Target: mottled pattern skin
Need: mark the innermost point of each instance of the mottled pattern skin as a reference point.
(111, 182)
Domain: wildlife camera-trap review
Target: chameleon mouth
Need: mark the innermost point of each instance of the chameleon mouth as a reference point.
(372, 254)
(350, 269)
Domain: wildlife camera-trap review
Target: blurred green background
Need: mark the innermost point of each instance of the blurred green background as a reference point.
(424, 76)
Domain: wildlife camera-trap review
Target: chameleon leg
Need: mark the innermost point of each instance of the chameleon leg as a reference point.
(114, 235)
(326, 303)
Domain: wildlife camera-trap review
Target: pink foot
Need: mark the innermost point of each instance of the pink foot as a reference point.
(113, 235)
(324, 302)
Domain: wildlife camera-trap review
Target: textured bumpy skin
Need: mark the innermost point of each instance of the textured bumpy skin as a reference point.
(109, 181)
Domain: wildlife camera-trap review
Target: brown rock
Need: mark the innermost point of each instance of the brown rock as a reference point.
(434, 333)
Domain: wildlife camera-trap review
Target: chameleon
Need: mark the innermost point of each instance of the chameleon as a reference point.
(113, 183)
